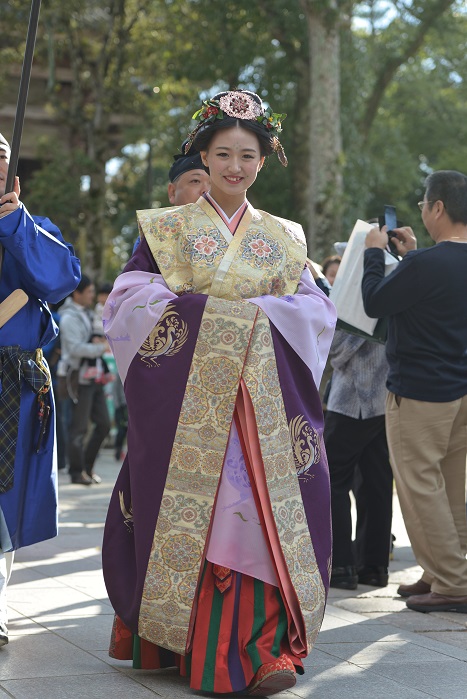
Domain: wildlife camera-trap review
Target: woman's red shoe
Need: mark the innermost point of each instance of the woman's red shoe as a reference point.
(273, 677)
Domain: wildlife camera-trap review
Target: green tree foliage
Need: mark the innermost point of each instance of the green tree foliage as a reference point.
(139, 69)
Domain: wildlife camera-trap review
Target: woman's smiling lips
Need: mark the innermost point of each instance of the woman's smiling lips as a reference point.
(233, 180)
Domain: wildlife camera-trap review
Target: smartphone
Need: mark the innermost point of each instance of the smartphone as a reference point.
(390, 220)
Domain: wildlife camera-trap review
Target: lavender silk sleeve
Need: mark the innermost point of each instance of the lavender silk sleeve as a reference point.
(306, 320)
(133, 308)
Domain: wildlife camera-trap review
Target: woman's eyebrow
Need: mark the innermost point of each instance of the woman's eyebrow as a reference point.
(253, 150)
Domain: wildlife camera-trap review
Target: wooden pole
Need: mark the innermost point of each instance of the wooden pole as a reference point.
(23, 94)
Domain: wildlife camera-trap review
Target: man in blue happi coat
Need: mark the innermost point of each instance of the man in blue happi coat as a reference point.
(37, 260)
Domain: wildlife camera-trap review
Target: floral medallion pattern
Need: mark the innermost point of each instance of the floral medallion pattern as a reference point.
(269, 256)
(269, 376)
(219, 376)
(187, 458)
(171, 608)
(195, 406)
(305, 555)
(159, 582)
(275, 286)
(181, 552)
(204, 247)
(246, 289)
(266, 415)
(210, 463)
(207, 432)
(261, 251)
(187, 588)
(163, 524)
(169, 224)
(194, 473)
(165, 259)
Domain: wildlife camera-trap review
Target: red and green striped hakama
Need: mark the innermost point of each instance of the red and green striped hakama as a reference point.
(235, 633)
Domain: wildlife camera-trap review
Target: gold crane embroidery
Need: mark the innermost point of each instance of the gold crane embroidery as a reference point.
(305, 445)
(166, 339)
(127, 514)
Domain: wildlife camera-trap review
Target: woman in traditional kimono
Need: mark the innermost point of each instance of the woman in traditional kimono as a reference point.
(217, 543)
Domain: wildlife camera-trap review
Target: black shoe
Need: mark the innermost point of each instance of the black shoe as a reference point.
(344, 577)
(3, 635)
(81, 479)
(373, 575)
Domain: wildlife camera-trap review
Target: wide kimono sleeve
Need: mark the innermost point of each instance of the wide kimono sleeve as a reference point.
(45, 266)
(135, 305)
(307, 321)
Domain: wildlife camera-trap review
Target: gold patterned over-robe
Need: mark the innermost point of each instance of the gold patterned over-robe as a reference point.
(196, 253)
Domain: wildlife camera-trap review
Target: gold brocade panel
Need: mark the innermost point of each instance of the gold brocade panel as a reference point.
(194, 471)
(262, 380)
(196, 253)
(227, 330)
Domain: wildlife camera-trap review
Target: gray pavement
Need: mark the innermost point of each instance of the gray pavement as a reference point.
(371, 646)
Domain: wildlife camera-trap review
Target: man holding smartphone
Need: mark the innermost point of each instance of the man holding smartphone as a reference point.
(426, 410)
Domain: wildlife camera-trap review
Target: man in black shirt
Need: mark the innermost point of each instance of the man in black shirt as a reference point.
(426, 412)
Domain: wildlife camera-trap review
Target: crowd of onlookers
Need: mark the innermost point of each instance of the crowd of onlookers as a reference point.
(399, 410)
(88, 392)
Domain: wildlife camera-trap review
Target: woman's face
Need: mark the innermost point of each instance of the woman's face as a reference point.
(234, 160)
(331, 272)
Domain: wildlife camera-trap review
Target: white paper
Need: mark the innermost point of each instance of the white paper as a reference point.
(346, 292)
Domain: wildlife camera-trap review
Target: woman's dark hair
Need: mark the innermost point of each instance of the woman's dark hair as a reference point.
(450, 187)
(331, 260)
(205, 134)
(105, 288)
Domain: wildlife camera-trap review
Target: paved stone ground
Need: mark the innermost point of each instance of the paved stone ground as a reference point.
(371, 646)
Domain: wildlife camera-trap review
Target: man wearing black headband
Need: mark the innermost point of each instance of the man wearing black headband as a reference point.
(188, 178)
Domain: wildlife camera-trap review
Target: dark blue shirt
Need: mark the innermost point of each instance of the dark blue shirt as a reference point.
(425, 298)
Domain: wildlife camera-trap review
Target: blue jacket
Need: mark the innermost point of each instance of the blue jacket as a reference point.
(37, 260)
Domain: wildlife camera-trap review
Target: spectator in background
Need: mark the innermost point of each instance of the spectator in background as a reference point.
(81, 370)
(330, 266)
(426, 412)
(102, 296)
(355, 435)
(188, 178)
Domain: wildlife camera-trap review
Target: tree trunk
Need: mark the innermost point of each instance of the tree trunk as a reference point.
(325, 182)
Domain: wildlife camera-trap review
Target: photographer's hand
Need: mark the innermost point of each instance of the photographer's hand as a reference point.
(405, 240)
(377, 238)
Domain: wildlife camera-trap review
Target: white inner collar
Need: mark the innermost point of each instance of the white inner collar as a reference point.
(227, 218)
